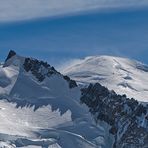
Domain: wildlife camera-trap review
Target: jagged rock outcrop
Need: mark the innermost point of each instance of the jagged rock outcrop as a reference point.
(41, 70)
(72, 83)
(10, 55)
(126, 117)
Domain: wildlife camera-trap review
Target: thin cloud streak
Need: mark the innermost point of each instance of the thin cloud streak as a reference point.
(28, 9)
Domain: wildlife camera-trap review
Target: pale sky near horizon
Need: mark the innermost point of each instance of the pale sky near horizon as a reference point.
(57, 31)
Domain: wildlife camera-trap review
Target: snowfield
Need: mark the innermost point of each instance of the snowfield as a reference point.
(125, 76)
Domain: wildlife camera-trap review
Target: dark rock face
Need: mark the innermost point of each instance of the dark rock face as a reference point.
(127, 118)
(10, 55)
(72, 83)
(142, 67)
(41, 70)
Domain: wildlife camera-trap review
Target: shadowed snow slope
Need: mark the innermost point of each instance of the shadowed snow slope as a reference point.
(122, 75)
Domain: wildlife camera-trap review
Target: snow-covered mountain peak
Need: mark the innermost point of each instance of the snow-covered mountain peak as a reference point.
(37, 68)
(35, 100)
(40, 107)
(31, 73)
(123, 75)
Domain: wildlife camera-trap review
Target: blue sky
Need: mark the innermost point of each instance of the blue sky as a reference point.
(116, 31)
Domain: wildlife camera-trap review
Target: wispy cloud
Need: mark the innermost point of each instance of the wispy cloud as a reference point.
(12, 10)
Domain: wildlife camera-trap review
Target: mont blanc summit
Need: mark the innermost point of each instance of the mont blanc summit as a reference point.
(125, 76)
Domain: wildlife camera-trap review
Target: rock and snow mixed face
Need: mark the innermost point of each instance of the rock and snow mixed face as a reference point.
(122, 75)
(39, 107)
(127, 118)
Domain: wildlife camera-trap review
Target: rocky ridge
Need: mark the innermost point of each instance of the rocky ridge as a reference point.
(128, 119)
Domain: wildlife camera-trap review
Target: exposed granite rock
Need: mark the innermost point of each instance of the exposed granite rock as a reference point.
(135, 137)
(127, 118)
(41, 70)
(10, 55)
(72, 83)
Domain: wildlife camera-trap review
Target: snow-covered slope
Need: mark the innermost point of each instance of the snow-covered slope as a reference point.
(39, 107)
(122, 75)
